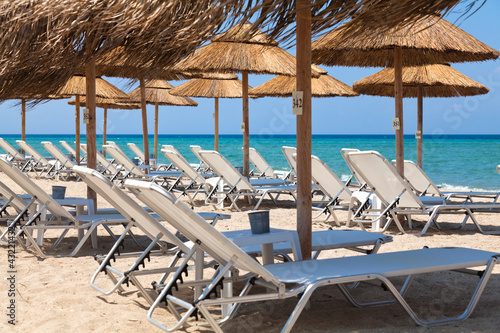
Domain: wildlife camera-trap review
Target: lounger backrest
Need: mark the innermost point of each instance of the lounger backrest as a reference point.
(126, 206)
(344, 152)
(122, 159)
(327, 180)
(136, 150)
(260, 163)
(195, 228)
(221, 166)
(288, 152)
(32, 152)
(7, 194)
(34, 190)
(196, 151)
(182, 165)
(112, 143)
(383, 178)
(66, 146)
(418, 179)
(11, 150)
(101, 159)
(58, 155)
(172, 148)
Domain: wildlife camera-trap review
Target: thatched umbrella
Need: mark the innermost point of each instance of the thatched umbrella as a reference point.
(323, 86)
(212, 86)
(421, 81)
(108, 103)
(157, 92)
(426, 41)
(77, 86)
(241, 50)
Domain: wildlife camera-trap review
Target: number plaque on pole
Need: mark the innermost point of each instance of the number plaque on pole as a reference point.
(297, 98)
(395, 124)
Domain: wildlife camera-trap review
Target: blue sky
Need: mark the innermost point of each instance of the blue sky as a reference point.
(358, 115)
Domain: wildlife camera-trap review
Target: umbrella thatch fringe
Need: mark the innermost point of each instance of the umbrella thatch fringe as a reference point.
(429, 40)
(283, 86)
(77, 86)
(211, 87)
(160, 96)
(437, 80)
(109, 103)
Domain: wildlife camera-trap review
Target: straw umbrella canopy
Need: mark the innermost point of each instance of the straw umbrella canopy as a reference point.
(323, 86)
(241, 50)
(108, 103)
(157, 92)
(212, 86)
(438, 80)
(77, 86)
(426, 41)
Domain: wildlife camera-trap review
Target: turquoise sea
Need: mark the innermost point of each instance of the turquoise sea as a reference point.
(452, 161)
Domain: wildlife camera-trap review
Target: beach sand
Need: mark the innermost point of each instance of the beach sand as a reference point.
(54, 294)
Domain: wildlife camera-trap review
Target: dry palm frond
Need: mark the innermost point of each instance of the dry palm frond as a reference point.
(283, 86)
(159, 94)
(77, 86)
(279, 16)
(437, 81)
(109, 103)
(42, 42)
(430, 40)
(211, 86)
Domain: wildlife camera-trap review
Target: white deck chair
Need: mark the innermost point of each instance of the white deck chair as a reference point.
(360, 181)
(399, 198)
(197, 181)
(106, 167)
(331, 185)
(141, 219)
(19, 214)
(260, 165)
(65, 164)
(58, 219)
(288, 152)
(423, 185)
(239, 185)
(137, 151)
(37, 162)
(132, 170)
(72, 150)
(13, 155)
(295, 278)
(203, 167)
(196, 166)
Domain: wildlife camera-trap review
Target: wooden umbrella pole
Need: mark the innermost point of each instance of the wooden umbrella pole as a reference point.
(77, 128)
(91, 125)
(216, 125)
(303, 56)
(398, 97)
(420, 125)
(156, 132)
(23, 120)
(104, 128)
(144, 122)
(246, 128)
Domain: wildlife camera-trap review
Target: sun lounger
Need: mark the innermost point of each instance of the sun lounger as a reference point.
(197, 181)
(400, 199)
(145, 221)
(137, 151)
(295, 278)
(72, 150)
(360, 183)
(136, 171)
(37, 161)
(65, 164)
(106, 167)
(197, 166)
(202, 166)
(261, 167)
(239, 185)
(423, 185)
(331, 185)
(58, 219)
(13, 155)
(288, 152)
